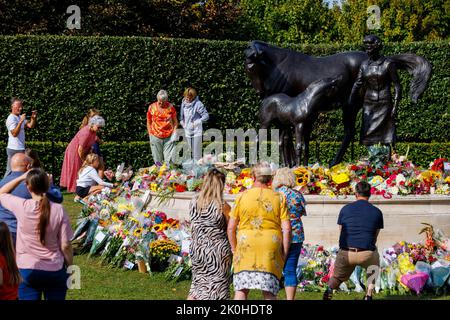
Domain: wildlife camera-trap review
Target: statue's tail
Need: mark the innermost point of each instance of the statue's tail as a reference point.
(419, 68)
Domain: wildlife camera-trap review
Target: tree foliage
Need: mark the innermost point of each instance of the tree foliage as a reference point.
(288, 21)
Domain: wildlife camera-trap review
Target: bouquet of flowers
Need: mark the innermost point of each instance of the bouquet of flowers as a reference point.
(179, 268)
(160, 251)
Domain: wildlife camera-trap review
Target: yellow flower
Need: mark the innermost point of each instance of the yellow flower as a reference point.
(339, 168)
(375, 181)
(114, 218)
(339, 178)
(302, 176)
(162, 170)
(125, 207)
(133, 219)
(154, 186)
(430, 176)
(235, 190)
(247, 182)
(447, 180)
(137, 232)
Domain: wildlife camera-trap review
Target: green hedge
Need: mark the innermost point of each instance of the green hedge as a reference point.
(62, 76)
(138, 155)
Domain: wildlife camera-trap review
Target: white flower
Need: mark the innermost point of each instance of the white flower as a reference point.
(400, 177)
(394, 190)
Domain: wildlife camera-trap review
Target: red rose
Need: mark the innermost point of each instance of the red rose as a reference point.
(180, 188)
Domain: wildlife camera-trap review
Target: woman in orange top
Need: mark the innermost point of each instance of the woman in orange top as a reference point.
(161, 126)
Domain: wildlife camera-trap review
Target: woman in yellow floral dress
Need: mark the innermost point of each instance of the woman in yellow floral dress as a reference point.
(262, 241)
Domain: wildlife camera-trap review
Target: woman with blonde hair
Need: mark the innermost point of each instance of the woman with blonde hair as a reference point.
(284, 182)
(192, 115)
(89, 182)
(262, 241)
(210, 251)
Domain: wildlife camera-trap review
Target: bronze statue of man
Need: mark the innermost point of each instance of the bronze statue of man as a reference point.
(373, 84)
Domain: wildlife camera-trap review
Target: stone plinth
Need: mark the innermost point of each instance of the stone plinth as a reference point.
(402, 216)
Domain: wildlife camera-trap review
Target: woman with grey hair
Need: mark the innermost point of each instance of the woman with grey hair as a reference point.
(162, 124)
(77, 150)
(284, 182)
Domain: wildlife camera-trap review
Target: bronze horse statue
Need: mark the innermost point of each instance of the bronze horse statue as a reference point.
(298, 112)
(274, 70)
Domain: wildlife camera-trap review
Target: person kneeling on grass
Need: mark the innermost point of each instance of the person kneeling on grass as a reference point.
(360, 223)
(89, 182)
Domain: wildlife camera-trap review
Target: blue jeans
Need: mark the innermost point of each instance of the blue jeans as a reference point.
(53, 284)
(290, 267)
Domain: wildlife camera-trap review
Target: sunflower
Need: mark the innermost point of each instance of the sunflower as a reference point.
(302, 176)
(430, 176)
(157, 227)
(138, 232)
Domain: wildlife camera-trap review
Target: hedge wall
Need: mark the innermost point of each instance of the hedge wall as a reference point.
(62, 76)
(138, 155)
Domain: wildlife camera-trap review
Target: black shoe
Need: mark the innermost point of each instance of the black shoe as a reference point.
(328, 294)
(367, 298)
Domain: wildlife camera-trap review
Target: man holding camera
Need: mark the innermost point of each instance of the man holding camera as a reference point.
(16, 124)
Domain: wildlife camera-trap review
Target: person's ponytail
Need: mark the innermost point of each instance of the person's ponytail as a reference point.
(39, 183)
(44, 217)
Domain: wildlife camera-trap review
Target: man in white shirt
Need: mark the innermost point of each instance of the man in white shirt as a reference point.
(16, 124)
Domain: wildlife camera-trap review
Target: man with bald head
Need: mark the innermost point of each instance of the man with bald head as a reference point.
(21, 163)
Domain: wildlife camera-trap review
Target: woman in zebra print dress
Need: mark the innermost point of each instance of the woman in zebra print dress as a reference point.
(210, 250)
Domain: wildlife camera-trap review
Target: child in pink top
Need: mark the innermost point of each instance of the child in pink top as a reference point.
(43, 238)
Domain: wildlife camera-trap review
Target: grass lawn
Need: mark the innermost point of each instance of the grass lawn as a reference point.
(99, 282)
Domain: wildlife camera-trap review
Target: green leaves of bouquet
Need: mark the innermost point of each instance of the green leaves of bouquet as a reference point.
(378, 155)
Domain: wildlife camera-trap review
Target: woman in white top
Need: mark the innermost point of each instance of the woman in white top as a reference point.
(89, 182)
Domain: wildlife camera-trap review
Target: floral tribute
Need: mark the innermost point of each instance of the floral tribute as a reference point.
(405, 267)
(118, 225)
(397, 177)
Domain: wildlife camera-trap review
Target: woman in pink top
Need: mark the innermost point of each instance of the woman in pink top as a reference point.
(43, 248)
(77, 150)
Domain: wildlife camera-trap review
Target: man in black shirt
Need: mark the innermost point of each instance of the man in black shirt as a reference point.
(360, 223)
